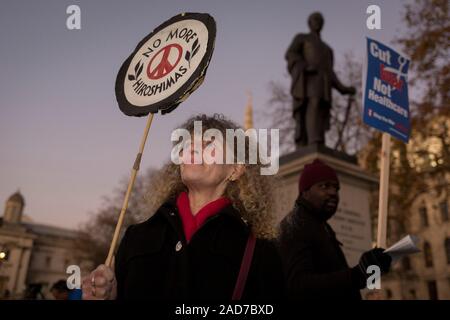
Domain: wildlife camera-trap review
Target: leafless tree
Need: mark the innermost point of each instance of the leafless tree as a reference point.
(96, 234)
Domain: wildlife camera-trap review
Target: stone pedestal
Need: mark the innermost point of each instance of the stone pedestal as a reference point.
(352, 222)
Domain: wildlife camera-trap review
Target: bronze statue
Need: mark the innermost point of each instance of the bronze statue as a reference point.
(310, 63)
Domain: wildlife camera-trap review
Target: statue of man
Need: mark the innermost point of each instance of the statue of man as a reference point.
(310, 63)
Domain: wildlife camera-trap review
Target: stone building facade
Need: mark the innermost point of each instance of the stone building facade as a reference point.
(33, 256)
(425, 275)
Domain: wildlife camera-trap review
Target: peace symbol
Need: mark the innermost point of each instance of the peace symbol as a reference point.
(162, 62)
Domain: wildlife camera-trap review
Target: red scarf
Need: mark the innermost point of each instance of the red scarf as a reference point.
(193, 223)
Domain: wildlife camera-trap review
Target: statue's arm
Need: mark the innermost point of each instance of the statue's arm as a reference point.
(294, 55)
(336, 83)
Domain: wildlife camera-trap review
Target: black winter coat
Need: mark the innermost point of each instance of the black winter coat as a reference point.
(155, 262)
(314, 264)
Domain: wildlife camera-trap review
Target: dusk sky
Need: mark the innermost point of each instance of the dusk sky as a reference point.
(63, 140)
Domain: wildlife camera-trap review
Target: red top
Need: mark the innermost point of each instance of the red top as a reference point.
(193, 223)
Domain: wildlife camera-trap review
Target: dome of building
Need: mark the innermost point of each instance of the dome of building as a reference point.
(18, 198)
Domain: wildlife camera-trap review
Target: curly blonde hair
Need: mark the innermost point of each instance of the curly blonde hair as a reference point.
(252, 194)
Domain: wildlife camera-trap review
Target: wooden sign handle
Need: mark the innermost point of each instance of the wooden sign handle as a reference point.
(134, 172)
(384, 191)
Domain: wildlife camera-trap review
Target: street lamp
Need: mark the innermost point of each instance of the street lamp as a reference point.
(3, 255)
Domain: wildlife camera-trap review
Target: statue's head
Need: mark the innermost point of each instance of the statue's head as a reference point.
(315, 21)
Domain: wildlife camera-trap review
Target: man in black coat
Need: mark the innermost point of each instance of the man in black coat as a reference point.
(314, 264)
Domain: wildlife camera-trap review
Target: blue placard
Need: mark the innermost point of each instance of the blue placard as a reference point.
(386, 105)
(75, 294)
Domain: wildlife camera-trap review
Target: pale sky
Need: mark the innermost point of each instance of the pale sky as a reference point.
(63, 140)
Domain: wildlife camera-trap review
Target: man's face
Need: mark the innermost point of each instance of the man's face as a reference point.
(324, 196)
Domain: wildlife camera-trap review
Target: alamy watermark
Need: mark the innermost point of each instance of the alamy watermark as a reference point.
(211, 147)
(74, 279)
(73, 21)
(374, 280)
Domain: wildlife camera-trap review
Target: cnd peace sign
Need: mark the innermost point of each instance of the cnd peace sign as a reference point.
(164, 61)
(170, 74)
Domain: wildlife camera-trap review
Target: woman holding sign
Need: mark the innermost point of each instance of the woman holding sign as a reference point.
(209, 238)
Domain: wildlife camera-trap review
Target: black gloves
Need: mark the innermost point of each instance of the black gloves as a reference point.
(368, 258)
(375, 257)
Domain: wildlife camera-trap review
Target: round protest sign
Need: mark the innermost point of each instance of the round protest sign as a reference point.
(167, 65)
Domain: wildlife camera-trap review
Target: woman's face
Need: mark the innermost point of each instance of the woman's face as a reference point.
(206, 174)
